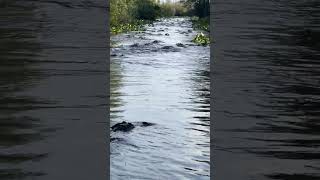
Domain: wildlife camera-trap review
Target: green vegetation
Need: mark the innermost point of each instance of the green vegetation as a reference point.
(132, 15)
(147, 10)
(200, 10)
(173, 9)
(201, 23)
(201, 39)
(137, 25)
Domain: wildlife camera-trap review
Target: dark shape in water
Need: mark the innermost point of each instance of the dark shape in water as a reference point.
(167, 34)
(123, 126)
(126, 126)
(116, 139)
(134, 45)
(180, 45)
(145, 124)
(170, 49)
(156, 41)
(153, 42)
(141, 37)
(167, 47)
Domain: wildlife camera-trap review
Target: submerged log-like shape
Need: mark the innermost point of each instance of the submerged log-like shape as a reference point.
(180, 45)
(144, 124)
(123, 126)
(126, 126)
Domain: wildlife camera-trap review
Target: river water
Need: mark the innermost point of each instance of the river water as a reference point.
(154, 80)
(266, 89)
(53, 66)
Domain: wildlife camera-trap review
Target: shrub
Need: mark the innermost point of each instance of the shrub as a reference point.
(173, 9)
(167, 10)
(121, 11)
(147, 10)
(180, 9)
(200, 8)
(201, 23)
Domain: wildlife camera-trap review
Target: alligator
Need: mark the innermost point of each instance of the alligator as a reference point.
(180, 45)
(127, 126)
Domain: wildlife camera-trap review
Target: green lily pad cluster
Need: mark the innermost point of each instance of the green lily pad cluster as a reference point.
(135, 26)
(201, 39)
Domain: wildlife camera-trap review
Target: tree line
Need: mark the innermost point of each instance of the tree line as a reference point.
(129, 15)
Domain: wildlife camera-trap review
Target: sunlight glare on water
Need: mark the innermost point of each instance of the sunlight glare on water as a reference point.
(154, 80)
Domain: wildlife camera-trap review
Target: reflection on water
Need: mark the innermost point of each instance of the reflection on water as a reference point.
(18, 49)
(47, 64)
(267, 89)
(154, 80)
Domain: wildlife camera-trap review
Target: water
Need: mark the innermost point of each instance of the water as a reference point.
(266, 90)
(52, 89)
(154, 80)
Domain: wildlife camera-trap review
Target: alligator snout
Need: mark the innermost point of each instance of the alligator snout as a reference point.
(126, 126)
(123, 126)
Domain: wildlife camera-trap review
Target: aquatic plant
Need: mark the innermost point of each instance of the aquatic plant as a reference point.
(201, 39)
(203, 25)
(137, 25)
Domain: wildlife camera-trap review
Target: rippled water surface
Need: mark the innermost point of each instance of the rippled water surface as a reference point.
(267, 89)
(52, 89)
(154, 80)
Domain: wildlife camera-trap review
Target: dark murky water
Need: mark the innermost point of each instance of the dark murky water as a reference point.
(154, 80)
(52, 89)
(266, 90)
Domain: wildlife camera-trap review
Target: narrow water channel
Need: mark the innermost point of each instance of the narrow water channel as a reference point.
(157, 80)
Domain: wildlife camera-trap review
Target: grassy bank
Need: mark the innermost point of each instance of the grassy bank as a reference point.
(200, 12)
(203, 25)
(131, 15)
